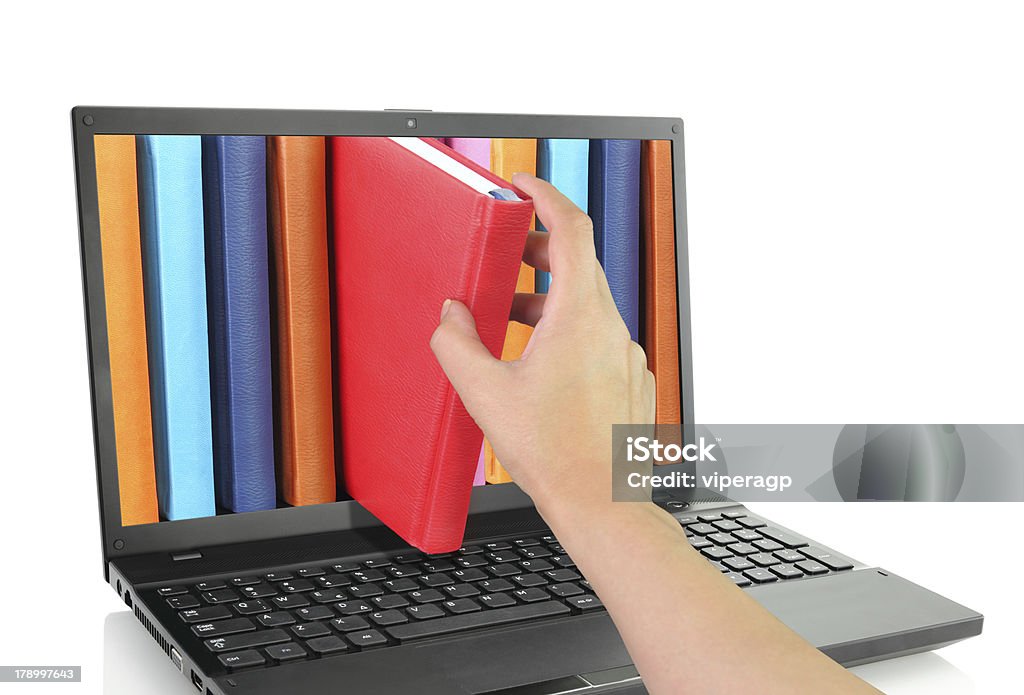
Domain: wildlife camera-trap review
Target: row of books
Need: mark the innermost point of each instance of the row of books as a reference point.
(218, 279)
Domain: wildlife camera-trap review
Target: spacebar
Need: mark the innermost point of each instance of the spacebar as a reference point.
(468, 621)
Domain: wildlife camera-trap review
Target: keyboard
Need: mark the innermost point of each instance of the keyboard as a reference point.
(343, 607)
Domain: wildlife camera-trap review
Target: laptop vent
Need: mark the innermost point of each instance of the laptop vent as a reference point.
(153, 631)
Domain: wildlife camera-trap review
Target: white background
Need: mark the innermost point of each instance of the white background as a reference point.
(854, 178)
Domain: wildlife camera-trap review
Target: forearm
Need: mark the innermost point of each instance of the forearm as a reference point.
(687, 629)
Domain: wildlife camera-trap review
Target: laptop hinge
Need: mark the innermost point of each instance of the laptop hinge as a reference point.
(190, 555)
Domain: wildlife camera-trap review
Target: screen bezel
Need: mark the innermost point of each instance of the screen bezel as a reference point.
(88, 121)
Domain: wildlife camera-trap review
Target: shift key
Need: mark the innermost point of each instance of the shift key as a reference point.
(247, 640)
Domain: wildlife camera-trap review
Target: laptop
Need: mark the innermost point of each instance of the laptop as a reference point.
(313, 596)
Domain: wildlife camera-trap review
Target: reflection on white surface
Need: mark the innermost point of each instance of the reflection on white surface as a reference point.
(920, 673)
(133, 663)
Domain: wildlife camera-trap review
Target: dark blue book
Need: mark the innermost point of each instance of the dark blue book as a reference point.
(235, 207)
(614, 202)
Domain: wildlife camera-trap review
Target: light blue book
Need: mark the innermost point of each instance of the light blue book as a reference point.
(174, 275)
(564, 164)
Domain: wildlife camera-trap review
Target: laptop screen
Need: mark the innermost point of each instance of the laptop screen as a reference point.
(260, 291)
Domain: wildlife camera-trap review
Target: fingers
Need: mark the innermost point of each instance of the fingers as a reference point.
(571, 234)
(536, 252)
(472, 369)
(527, 308)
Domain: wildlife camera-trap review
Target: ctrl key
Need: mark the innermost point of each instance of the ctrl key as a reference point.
(243, 659)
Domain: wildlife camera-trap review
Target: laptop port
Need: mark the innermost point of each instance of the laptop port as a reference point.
(197, 681)
(176, 658)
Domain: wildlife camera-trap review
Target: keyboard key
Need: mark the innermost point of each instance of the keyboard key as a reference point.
(535, 565)
(562, 575)
(742, 549)
(764, 559)
(497, 545)
(830, 560)
(737, 564)
(182, 602)
(468, 621)
(172, 590)
(310, 630)
(721, 538)
(345, 567)
(211, 585)
(399, 571)
(223, 627)
(733, 515)
(388, 601)
(584, 603)
(385, 618)
(738, 579)
(366, 639)
(408, 558)
(789, 555)
(221, 596)
(461, 590)
(503, 556)
(474, 560)
(275, 619)
(788, 540)
(400, 585)
(368, 576)
(565, 589)
(760, 576)
(205, 614)
(251, 607)
(310, 572)
(528, 580)
(245, 581)
(245, 641)
(258, 591)
(350, 623)
(535, 553)
(249, 657)
(563, 561)
(702, 529)
(329, 596)
(686, 520)
(462, 605)
(503, 570)
(746, 536)
(286, 652)
(812, 567)
(425, 612)
(327, 645)
(470, 575)
(715, 553)
(443, 565)
(786, 571)
(365, 590)
(531, 595)
(426, 596)
(708, 518)
(699, 542)
(291, 601)
(497, 600)
(492, 586)
(332, 580)
(314, 613)
(353, 607)
(548, 539)
(767, 545)
(279, 576)
(294, 586)
(435, 579)
(374, 564)
(525, 542)
(750, 522)
(726, 525)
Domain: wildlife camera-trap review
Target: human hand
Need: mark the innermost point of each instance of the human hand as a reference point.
(549, 414)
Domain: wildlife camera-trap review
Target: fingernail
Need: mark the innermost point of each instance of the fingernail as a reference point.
(444, 307)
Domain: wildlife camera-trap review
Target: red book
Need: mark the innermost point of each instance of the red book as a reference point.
(408, 235)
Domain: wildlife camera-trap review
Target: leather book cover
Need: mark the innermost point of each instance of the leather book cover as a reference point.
(510, 156)
(407, 236)
(127, 347)
(238, 305)
(170, 175)
(661, 318)
(297, 178)
(565, 164)
(478, 150)
(615, 211)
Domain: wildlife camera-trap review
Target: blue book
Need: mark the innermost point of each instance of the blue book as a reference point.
(565, 165)
(174, 276)
(238, 302)
(614, 207)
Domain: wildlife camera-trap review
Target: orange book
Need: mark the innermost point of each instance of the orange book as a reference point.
(661, 318)
(121, 243)
(297, 193)
(510, 156)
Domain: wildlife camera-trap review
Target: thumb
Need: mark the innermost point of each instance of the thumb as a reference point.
(469, 365)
